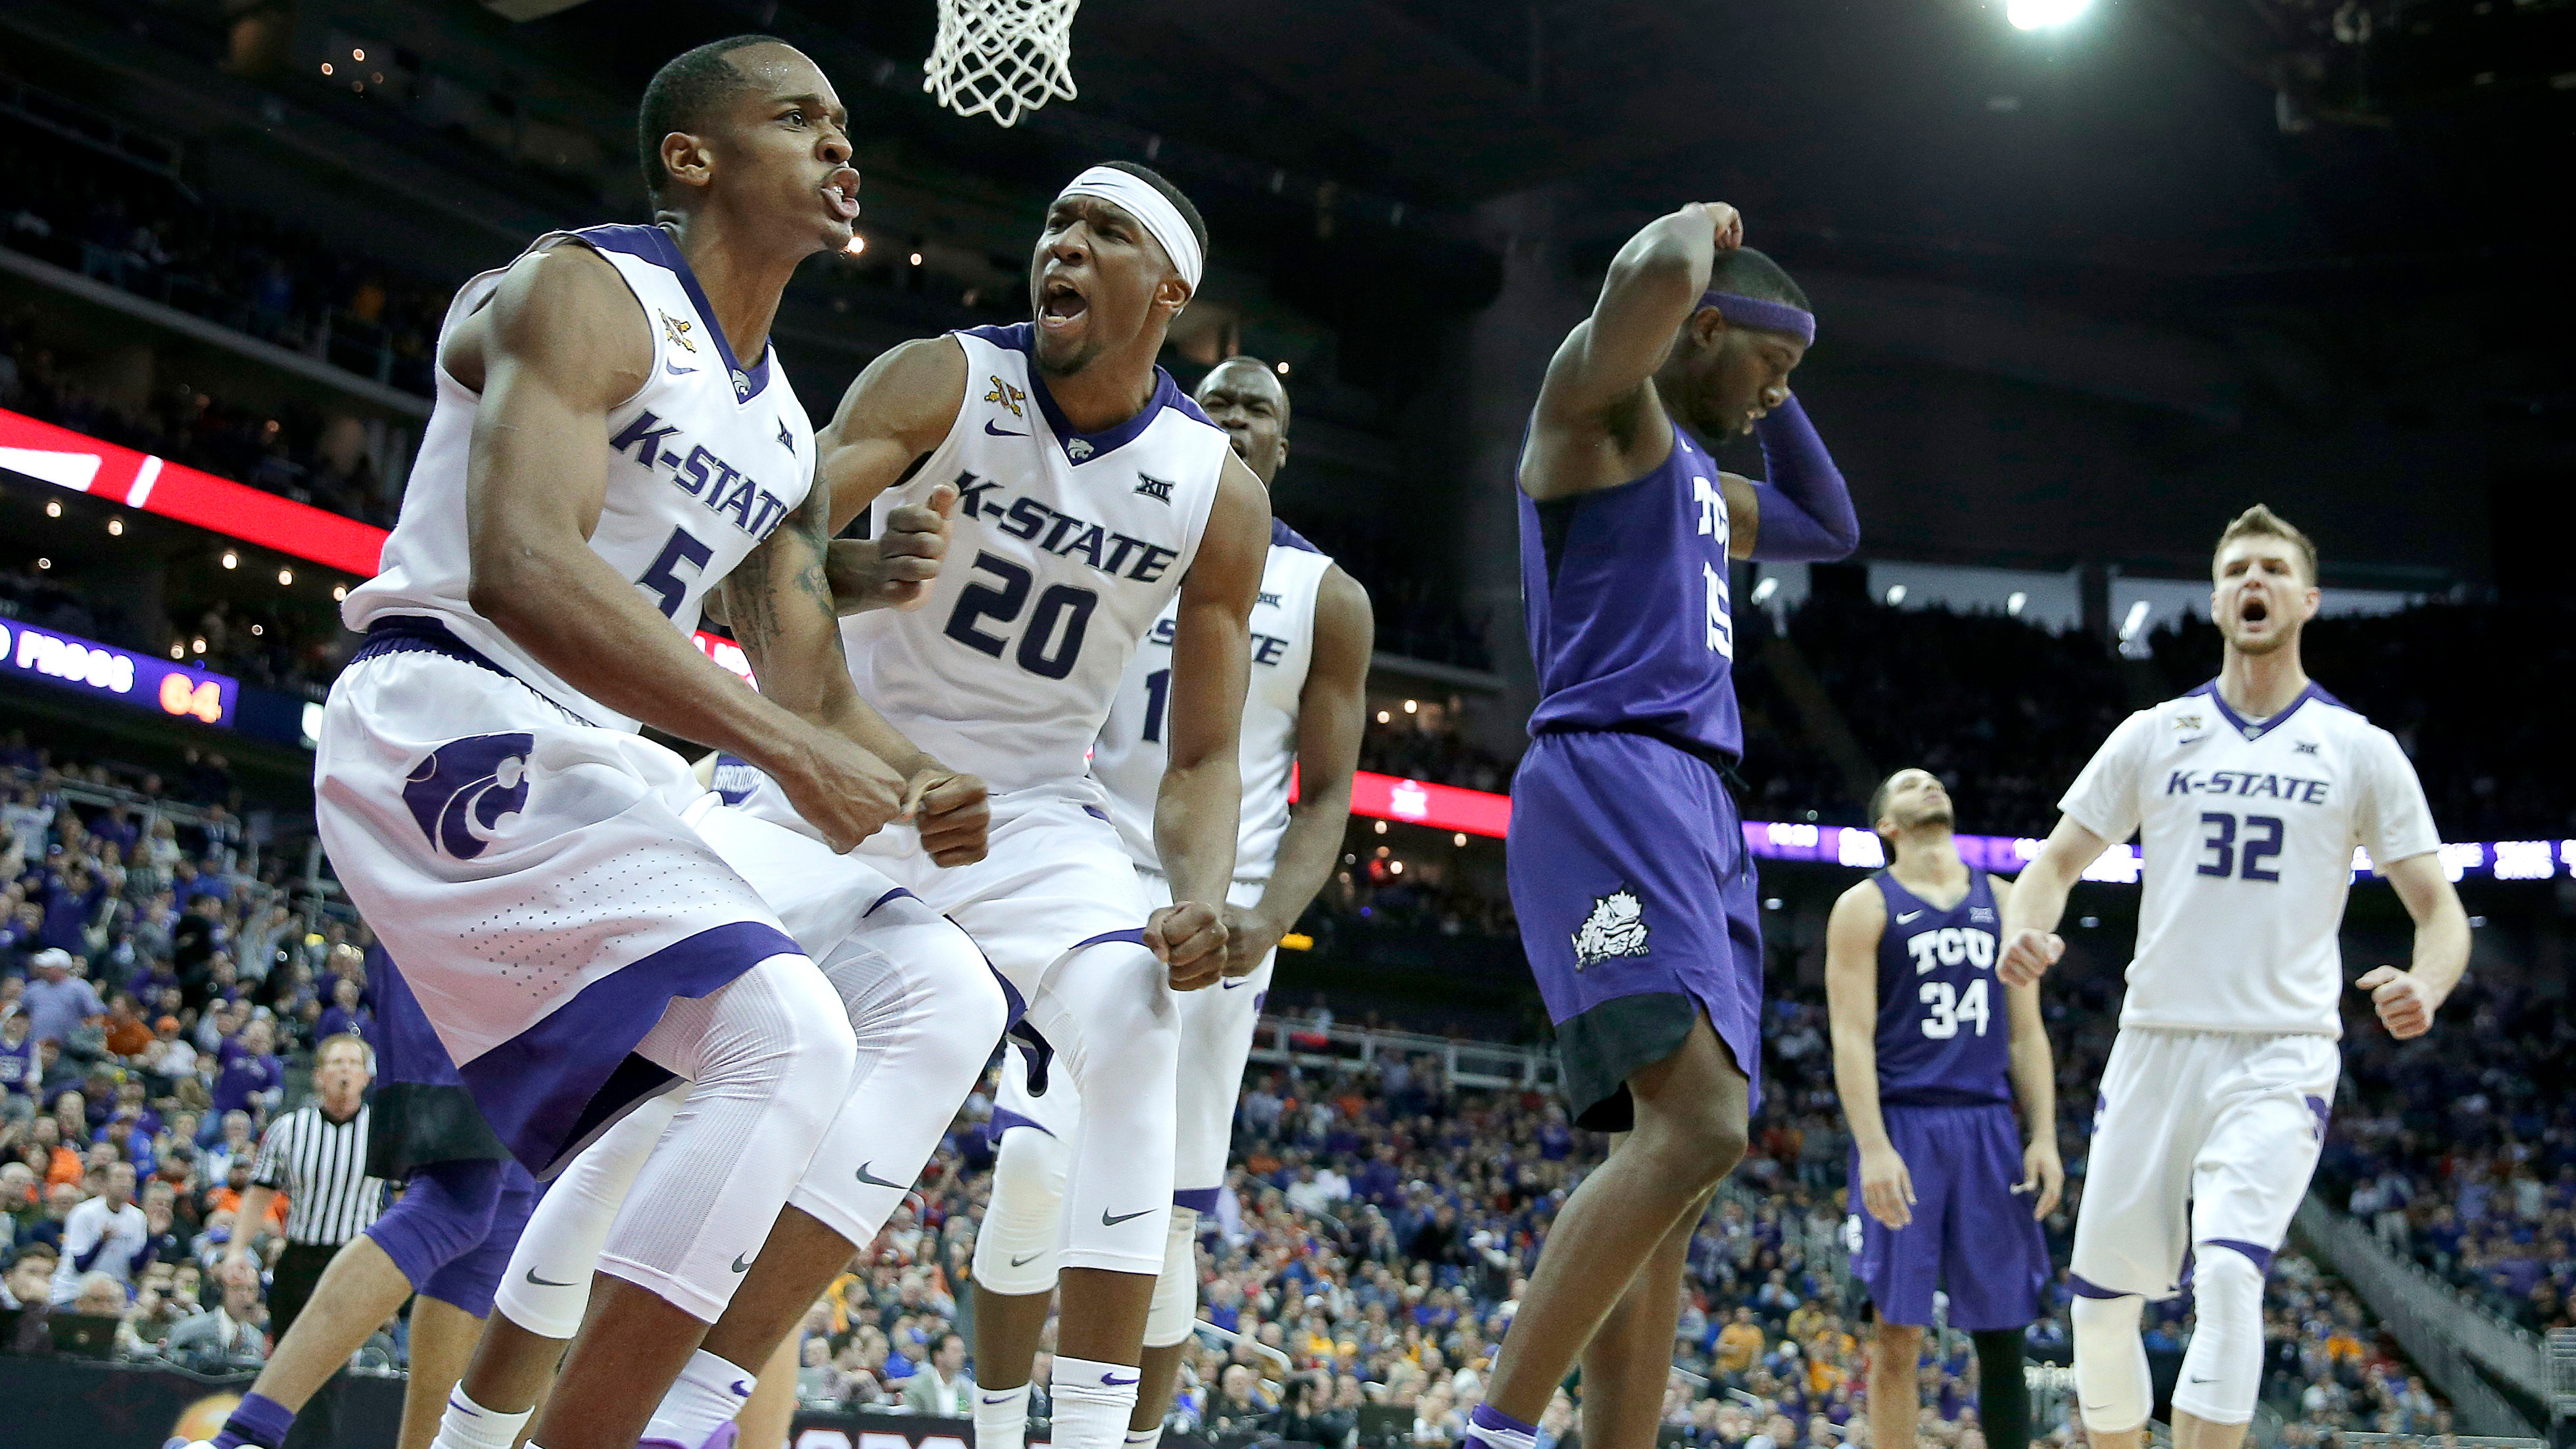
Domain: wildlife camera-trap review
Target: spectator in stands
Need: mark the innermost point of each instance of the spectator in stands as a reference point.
(940, 1386)
(59, 1003)
(105, 1235)
(230, 1337)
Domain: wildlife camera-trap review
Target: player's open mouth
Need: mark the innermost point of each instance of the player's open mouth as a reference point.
(1059, 305)
(2255, 611)
(841, 194)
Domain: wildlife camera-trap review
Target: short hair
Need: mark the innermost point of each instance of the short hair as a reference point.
(1246, 359)
(1878, 799)
(1172, 194)
(1749, 273)
(682, 93)
(2262, 520)
(366, 1053)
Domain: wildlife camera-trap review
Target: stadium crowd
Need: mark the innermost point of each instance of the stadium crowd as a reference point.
(153, 982)
(2467, 1161)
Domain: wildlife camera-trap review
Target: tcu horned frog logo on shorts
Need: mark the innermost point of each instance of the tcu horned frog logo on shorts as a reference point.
(1616, 927)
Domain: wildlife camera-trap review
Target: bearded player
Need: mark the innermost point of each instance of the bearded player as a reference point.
(1302, 720)
(1930, 1054)
(1094, 498)
(2248, 795)
(1635, 893)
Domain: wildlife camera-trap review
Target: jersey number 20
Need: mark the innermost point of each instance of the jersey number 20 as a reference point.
(1945, 1007)
(1053, 639)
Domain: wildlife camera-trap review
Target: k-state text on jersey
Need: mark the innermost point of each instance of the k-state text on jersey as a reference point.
(723, 488)
(1063, 534)
(2248, 785)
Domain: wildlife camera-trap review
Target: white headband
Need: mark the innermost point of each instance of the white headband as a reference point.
(1153, 210)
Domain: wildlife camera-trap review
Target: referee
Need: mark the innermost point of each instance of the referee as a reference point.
(317, 1156)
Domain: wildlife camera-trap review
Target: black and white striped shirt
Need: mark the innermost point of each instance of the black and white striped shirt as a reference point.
(321, 1166)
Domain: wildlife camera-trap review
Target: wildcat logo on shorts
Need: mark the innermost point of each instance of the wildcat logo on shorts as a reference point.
(1616, 927)
(468, 783)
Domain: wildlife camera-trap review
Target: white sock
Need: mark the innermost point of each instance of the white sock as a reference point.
(1001, 1417)
(1145, 1438)
(468, 1425)
(1093, 1402)
(706, 1396)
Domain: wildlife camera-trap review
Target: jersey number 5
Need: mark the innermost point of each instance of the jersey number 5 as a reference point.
(1053, 639)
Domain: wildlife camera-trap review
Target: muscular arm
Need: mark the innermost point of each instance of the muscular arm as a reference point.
(561, 344)
(1332, 711)
(2038, 900)
(1198, 811)
(2406, 1000)
(2033, 1068)
(1597, 424)
(897, 411)
(1802, 511)
(1851, 1003)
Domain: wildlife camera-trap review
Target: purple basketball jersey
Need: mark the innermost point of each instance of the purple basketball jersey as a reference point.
(1625, 593)
(1944, 1034)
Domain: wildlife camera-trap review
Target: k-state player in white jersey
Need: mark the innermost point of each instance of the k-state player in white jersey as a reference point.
(1303, 716)
(1092, 493)
(2248, 795)
(613, 439)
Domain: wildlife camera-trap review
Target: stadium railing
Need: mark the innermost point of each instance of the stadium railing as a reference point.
(1285, 1041)
(2468, 1352)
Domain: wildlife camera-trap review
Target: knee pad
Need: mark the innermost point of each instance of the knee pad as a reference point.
(445, 1210)
(546, 1288)
(1018, 1247)
(1176, 1292)
(923, 1039)
(2222, 1370)
(2111, 1383)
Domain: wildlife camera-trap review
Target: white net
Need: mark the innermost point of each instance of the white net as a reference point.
(1002, 58)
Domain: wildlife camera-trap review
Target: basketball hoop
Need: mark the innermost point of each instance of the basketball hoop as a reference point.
(1002, 58)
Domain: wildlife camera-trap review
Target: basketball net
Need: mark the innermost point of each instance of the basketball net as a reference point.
(1001, 58)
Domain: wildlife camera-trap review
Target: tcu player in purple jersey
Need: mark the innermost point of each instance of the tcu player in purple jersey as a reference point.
(1628, 868)
(1930, 1053)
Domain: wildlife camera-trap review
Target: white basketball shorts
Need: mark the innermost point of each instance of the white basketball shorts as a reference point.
(1217, 1025)
(543, 883)
(2199, 1137)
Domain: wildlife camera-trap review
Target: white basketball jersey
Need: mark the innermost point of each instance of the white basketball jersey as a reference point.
(1066, 546)
(2247, 832)
(705, 459)
(1133, 749)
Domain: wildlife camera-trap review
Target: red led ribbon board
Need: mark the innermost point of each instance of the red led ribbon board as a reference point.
(119, 475)
(1441, 807)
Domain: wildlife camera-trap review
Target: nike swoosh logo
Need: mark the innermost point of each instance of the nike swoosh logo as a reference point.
(1024, 1262)
(545, 1282)
(676, 371)
(741, 1264)
(1001, 432)
(2204, 1381)
(1107, 1221)
(1909, 915)
(872, 1180)
(1117, 1383)
(742, 1388)
(997, 1398)
(1230, 985)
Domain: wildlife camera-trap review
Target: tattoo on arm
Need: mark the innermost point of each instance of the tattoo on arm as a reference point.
(798, 547)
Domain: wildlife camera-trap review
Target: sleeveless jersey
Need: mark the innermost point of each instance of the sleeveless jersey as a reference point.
(2248, 830)
(705, 459)
(1944, 1035)
(1065, 548)
(1128, 761)
(1625, 595)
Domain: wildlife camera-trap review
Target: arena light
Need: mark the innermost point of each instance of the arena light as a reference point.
(2043, 14)
(2015, 604)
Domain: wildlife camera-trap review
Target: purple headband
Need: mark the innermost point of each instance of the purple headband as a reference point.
(1798, 322)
